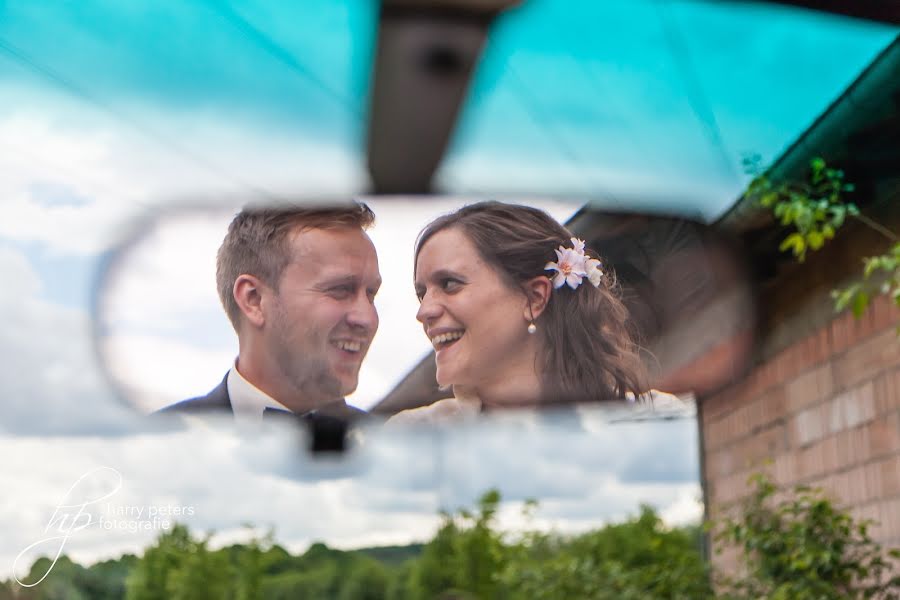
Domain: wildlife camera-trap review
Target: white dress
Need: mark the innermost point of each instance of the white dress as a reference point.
(450, 410)
(467, 409)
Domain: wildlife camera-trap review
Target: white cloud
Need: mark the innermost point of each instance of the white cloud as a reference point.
(687, 508)
(157, 371)
(51, 380)
(389, 491)
(166, 269)
(116, 171)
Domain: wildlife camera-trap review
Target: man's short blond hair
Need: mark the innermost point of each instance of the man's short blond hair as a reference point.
(257, 242)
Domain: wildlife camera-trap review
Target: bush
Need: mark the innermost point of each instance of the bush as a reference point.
(804, 547)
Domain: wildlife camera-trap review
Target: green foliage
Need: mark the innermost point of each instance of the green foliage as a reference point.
(639, 558)
(369, 580)
(251, 561)
(63, 583)
(468, 558)
(814, 210)
(106, 580)
(150, 578)
(392, 555)
(636, 559)
(805, 548)
(881, 274)
(69, 580)
(202, 575)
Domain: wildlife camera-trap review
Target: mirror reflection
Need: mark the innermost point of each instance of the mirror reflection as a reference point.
(425, 312)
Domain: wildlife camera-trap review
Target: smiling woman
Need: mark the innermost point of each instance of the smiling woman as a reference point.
(504, 331)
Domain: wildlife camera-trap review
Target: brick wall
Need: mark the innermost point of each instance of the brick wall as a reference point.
(823, 411)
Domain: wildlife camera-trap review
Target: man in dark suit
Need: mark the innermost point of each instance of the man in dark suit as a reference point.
(298, 284)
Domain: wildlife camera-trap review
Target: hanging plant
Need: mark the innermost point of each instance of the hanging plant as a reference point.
(814, 210)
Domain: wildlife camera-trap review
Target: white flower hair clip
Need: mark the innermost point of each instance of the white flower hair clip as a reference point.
(572, 265)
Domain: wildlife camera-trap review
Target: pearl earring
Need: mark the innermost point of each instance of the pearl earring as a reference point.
(532, 328)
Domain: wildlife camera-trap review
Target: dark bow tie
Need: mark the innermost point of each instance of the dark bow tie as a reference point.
(327, 433)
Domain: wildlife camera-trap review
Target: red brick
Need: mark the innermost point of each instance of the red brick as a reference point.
(743, 418)
(806, 427)
(861, 405)
(858, 490)
(788, 363)
(723, 402)
(725, 490)
(851, 408)
(830, 459)
(773, 405)
(861, 328)
(874, 482)
(720, 462)
(751, 384)
(824, 350)
(884, 313)
(887, 392)
(834, 415)
(751, 451)
(809, 388)
(867, 359)
(859, 439)
(764, 378)
(889, 513)
(884, 435)
(840, 334)
(829, 485)
(811, 463)
(890, 476)
(815, 352)
(713, 406)
(853, 446)
(712, 436)
(785, 469)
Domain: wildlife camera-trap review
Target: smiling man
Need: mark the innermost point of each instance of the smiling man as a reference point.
(298, 284)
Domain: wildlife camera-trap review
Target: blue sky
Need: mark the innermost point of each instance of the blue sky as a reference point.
(114, 110)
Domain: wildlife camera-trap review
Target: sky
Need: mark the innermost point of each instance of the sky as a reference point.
(114, 112)
(388, 491)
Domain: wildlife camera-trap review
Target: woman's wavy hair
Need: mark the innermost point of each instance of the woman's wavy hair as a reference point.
(587, 352)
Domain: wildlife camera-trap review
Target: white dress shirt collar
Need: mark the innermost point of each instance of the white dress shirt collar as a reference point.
(248, 401)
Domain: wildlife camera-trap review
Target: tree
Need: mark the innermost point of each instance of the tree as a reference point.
(252, 561)
(436, 569)
(150, 578)
(466, 554)
(202, 574)
(637, 559)
(367, 580)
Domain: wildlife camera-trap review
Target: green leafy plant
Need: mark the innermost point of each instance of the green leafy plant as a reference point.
(814, 210)
(858, 295)
(803, 547)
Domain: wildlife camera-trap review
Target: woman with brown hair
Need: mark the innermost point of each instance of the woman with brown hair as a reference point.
(519, 313)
